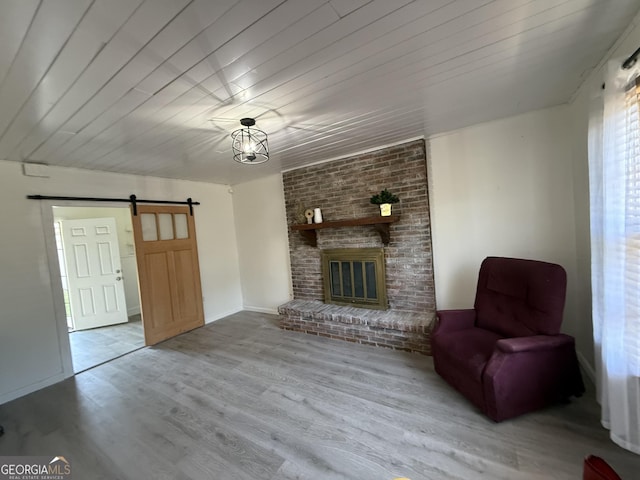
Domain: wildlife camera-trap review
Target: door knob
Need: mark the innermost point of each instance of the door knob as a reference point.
(118, 279)
(117, 271)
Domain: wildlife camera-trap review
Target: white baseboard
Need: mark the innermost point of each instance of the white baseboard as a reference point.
(133, 311)
(587, 367)
(21, 392)
(221, 315)
(273, 311)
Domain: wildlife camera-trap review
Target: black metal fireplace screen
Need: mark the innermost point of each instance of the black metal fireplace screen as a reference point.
(355, 277)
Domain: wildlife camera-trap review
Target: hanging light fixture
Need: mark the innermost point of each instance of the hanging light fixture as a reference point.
(249, 144)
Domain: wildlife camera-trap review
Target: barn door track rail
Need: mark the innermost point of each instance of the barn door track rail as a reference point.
(133, 200)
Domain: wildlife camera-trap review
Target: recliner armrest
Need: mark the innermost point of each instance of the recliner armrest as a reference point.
(452, 320)
(534, 343)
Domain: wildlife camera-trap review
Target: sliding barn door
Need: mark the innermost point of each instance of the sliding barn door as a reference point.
(168, 270)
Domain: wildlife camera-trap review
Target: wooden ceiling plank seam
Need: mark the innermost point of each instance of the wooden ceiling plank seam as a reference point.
(345, 7)
(564, 52)
(316, 88)
(505, 48)
(18, 150)
(541, 31)
(371, 76)
(60, 150)
(287, 64)
(276, 45)
(387, 126)
(155, 113)
(354, 125)
(167, 129)
(266, 28)
(342, 69)
(292, 13)
(83, 148)
(197, 134)
(164, 112)
(341, 147)
(163, 61)
(462, 102)
(399, 66)
(433, 43)
(140, 28)
(188, 56)
(119, 80)
(449, 57)
(26, 74)
(261, 15)
(198, 97)
(288, 88)
(526, 54)
(80, 50)
(111, 142)
(348, 127)
(575, 67)
(17, 25)
(329, 36)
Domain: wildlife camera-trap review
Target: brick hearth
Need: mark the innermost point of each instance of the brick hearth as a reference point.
(400, 330)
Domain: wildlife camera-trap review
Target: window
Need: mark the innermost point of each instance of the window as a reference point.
(631, 155)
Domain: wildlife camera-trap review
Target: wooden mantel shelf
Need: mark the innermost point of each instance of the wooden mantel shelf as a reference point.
(381, 224)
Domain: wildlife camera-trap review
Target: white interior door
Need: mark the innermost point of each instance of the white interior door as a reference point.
(92, 257)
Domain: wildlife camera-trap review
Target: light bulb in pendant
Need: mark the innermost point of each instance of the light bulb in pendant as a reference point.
(250, 150)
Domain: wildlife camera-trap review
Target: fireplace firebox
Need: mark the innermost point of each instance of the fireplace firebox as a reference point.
(355, 277)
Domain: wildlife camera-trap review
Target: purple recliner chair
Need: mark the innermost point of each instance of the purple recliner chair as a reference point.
(507, 355)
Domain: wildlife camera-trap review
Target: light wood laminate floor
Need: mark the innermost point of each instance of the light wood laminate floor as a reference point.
(98, 345)
(241, 399)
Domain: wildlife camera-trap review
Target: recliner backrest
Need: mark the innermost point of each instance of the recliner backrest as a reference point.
(517, 298)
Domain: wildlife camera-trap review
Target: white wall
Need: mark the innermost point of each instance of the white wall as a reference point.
(503, 188)
(126, 245)
(30, 350)
(261, 229)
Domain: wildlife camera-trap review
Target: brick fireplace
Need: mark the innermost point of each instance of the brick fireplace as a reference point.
(342, 189)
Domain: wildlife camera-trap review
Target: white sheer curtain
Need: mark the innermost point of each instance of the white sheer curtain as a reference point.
(614, 178)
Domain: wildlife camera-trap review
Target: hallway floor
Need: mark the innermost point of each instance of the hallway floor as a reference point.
(98, 345)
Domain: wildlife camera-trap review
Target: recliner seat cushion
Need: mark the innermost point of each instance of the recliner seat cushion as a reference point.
(461, 358)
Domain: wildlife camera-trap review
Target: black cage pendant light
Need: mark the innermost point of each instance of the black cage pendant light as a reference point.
(249, 144)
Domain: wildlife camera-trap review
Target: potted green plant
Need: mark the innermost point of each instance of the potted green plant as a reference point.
(385, 198)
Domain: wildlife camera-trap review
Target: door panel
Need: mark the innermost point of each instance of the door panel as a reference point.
(106, 258)
(187, 297)
(158, 312)
(92, 256)
(168, 269)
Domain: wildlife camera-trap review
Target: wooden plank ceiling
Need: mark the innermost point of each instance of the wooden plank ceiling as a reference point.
(154, 87)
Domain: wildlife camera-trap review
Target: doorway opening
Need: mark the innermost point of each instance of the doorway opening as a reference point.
(98, 272)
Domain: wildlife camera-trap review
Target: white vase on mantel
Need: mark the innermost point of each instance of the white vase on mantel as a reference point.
(317, 215)
(385, 209)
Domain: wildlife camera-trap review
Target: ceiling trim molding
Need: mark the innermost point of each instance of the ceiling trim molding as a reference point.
(355, 154)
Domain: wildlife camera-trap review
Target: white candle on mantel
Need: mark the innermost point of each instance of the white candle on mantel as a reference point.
(317, 215)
